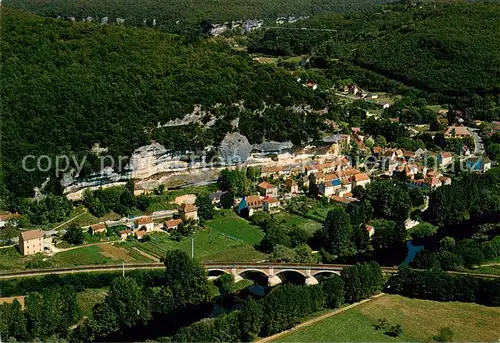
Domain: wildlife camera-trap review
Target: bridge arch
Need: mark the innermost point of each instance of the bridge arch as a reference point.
(216, 272)
(252, 270)
(291, 275)
(324, 273)
(258, 276)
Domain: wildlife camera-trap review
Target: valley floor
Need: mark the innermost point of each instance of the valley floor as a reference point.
(419, 319)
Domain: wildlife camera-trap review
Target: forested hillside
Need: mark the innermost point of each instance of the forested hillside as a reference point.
(66, 86)
(188, 12)
(445, 48)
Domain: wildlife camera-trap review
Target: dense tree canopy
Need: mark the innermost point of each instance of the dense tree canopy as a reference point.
(68, 86)
(168, 12)
(389, 199)
(429, 46)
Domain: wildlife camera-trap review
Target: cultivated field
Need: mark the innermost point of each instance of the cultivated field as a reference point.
(97, 254)
(233, 226)
(419, 319)
(209, 245)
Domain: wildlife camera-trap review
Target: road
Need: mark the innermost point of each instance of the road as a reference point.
(134, 266)
(478, 143)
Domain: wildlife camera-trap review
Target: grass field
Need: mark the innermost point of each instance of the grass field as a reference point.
(89, 298)
(293, 220)
(97, 254)
(209, 245)
(236, 227)
(419, 319)
(11, 259)
(495, 270)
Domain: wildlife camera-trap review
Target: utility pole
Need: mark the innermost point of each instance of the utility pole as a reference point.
(192, 247)
(123, 269)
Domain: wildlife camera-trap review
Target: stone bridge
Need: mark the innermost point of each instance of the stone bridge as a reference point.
(275, 272)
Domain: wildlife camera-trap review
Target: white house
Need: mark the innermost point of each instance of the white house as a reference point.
(361, 179)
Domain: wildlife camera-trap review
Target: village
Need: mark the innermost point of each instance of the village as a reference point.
(328, 170)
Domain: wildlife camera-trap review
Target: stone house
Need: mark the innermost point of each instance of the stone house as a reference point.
(31, 242)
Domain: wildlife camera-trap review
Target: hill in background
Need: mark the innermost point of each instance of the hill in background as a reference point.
(187, 12)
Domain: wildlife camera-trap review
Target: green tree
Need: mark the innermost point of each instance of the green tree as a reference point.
(127, 199)
(338, 233)
(389, 199)
(283, 254)
(225, 283)
(387, 233)
(34, 310)
(423, 230)
(416, 197)
(161, 299)
(186, 278)
(253, 173)
(333, 287)
(126, 299)
(275, 235)
(227, 200)
(74, 235)
(298, 236)
(13, 321)
(205, 206)
(303, 253)
(235, 181)
(251, 320)
(96, 208)
(104, 321)
(445, 335)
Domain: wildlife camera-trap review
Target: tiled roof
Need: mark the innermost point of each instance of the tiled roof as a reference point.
(143, 220)
(253, 201)
(361, 177)
(172, 223)
(266, 185)
(188, 208)
(459, 131)
(97, 227)
(31, 234)
(271, 200)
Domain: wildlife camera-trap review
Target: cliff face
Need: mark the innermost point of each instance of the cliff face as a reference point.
(235, 148)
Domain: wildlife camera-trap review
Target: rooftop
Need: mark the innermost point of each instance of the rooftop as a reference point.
(361, 177)
(31, 234)
(188, 208)
(271, 200)
(172, 223)
(253, 201)
(143, 220)
(266, 185)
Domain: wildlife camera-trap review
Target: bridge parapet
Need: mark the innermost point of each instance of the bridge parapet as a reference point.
(272, 271)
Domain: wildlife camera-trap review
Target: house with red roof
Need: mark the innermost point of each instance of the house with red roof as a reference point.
(267, 189)
(361, 179)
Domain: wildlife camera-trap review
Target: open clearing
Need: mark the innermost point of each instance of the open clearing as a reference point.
(88, 298)
(233, 226)
(293, 220)
(209, 245)
(419, 319)
(97, 254)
